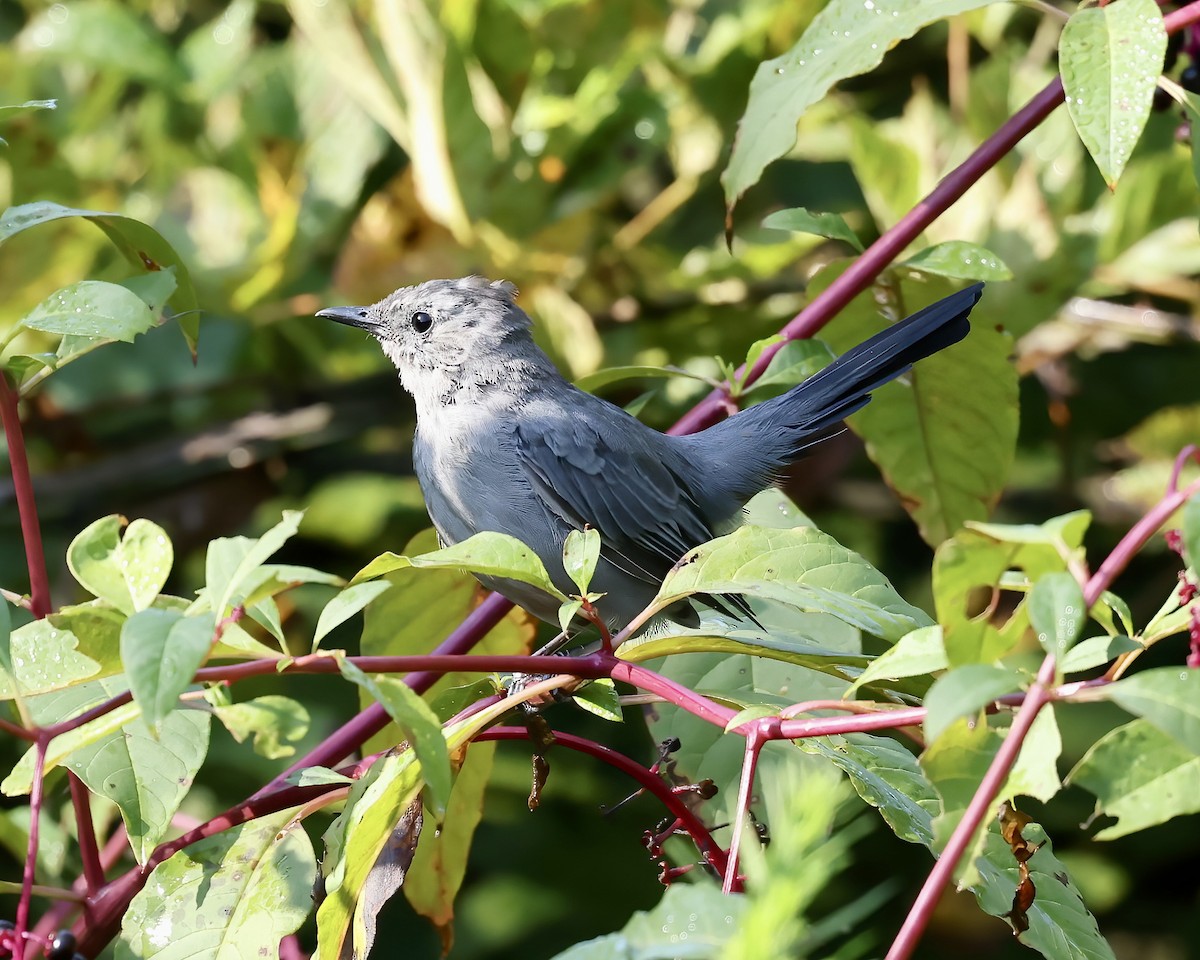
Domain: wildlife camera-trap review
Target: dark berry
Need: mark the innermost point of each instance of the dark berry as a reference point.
(1190, 78)
(7, 925)
(62, 946)
(1162, 100)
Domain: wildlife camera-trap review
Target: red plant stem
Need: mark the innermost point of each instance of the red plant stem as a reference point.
(759, 733)
(85, 829)
(353, 734)
(675, 693)
(942, 872)
(1135, 539)
(859, 275)
(21, 921)
(31, 531)
(1035, 698)
(651, 783)
(858, 723)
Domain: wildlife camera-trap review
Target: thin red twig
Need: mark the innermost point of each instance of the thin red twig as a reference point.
(85, 829)
(31, 530)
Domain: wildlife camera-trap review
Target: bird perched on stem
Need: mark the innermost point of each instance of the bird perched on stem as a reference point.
(505, 443)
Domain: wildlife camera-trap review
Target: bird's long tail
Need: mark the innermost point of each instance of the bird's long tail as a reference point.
(772, 434)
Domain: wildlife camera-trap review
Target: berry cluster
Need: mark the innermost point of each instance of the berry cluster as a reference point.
(61, 946)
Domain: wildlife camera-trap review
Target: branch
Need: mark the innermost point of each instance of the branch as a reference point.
(31, 530)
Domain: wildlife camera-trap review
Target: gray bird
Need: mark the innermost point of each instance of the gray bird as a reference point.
(504, 443)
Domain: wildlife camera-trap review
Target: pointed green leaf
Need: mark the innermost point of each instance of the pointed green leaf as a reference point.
(964, 691)
(1110, 58)
(916, 654)
(1095, 652)
(489, 554)
(92, 308)
(161, 650)
(1168, 697)
(802, 567)
(580, 553)
(847, 38)
(345, 605)
(958, 260)
(235, 894)
(275, 723)
(420, 725)
(600, 697)
(1141, 776)
(147, 775)
(800, 220)
(233, 561)
(1057, 612)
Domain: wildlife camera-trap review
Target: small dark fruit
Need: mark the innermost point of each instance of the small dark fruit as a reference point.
(1190, 78)
(62, 946)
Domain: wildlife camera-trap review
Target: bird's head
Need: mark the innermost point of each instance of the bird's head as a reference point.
(443, 335)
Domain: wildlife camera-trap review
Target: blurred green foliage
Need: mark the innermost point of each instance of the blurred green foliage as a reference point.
(306, 153)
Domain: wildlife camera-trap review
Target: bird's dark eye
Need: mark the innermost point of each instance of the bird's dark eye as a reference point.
(421, 321)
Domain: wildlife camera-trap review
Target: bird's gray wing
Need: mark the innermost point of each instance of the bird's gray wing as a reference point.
(646, 515)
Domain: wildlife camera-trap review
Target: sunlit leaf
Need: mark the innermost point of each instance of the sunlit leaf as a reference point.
(963, 691)
(92, 308)
(161, 650)
(1057, 612)
(275, 723)
(847, 38)
(580, 553)
(128, 571)
(958, 260)
(345, 605)
(800, 220)
(1168, 697)
(1141, 776)
(236, 894)
(1110, 58)
(490, 554)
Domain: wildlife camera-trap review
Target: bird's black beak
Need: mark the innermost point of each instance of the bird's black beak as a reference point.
(352, 316)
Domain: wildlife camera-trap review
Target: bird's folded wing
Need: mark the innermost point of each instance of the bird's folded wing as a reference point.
(646, 516)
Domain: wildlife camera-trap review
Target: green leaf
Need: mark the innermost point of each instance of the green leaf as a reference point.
(964, 691)
(566, 613)
(802, 567)
(154, 289)
(692, 920)
(1168, 697)
(128, 572)
(376, 804)
(958, 260)
(1060, 924)
(580, 553)
(600, 697)
(273, 721)
(1095, 652)
(794, 362)
(1191, 107)
(945, 437)
(45, 657)
(420, 725)
(1110, 58)
(1191, 532)
(232, 561)
(345, 605)
(800, 220)
(440, 863)
(234, 894)
(140, 244)
(1141, 776)
(1057, 612)
(316, 776)
(420, 611)
(847, 38)
(915, 654)
(489, 554)
(1035, 773)
(92, 308)
(161, 650)
(147, 775)
(888, 777)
